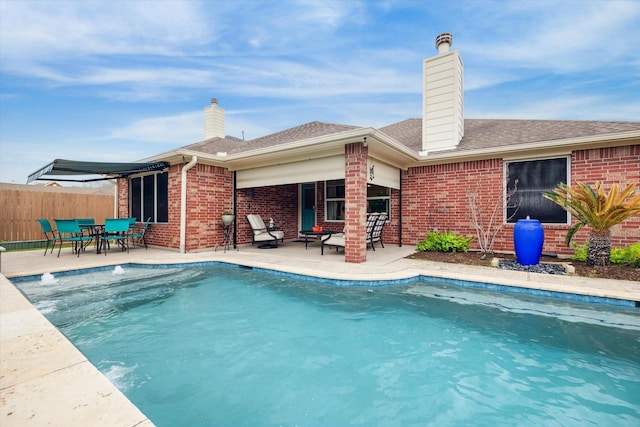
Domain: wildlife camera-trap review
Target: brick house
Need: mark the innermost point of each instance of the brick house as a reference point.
(420, 171)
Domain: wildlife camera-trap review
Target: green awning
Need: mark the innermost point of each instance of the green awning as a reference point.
(61, 167)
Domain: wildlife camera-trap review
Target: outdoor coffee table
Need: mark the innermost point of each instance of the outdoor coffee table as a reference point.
(311, 233)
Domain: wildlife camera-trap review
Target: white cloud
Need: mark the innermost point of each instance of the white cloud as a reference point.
(564, 107)
(71, 43)
(240, 126)
(567, 37)
(330, 14)
(47, 30)
(181, 129)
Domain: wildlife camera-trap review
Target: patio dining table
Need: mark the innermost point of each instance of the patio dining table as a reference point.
(93, 230)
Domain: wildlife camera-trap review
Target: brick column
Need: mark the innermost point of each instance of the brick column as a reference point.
(355, 215)
(122, 203)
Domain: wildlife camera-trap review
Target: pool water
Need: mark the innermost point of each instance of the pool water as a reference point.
(224, 346)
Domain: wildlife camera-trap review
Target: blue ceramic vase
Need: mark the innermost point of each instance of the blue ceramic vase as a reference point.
(528, 238)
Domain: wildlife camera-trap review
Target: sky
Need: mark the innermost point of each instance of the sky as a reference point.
(124, 80)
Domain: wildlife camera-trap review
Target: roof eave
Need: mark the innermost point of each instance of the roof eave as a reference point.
(307, 148)
(389, 150)
(534, 149)
(320, 146)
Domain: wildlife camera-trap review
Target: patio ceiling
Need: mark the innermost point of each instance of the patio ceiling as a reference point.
(89, 170)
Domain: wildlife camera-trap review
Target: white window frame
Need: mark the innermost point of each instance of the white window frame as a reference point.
(328, 199)
(338, 199)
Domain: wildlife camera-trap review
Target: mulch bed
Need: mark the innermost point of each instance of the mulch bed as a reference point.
(614, 271)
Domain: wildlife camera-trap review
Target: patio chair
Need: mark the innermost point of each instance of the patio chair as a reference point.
(337, 240)
(372, 219)
(85, 221)
(49, 234)
(132, 223)
(69, 231)
(268, 237)
(376, 234)
(115, 229)
(137, 237)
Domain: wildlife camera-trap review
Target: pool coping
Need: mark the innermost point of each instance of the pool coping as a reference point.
(46, 380)
(411, 277)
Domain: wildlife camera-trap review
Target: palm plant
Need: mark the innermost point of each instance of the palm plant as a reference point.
(594, 208)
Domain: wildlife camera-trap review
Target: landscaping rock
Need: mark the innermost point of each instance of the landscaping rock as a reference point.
(538, 268)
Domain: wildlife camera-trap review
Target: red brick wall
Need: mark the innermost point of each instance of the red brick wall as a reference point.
(610, 165)
(435, 197)
(320, 212)
(390, 232)
(209, 193)
(122, 206)
(279, 202)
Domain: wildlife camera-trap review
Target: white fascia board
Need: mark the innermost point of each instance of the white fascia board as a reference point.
(324, 146)
(183, 156)
(341, 138)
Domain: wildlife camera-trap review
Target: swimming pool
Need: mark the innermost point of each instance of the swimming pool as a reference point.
(217, 345)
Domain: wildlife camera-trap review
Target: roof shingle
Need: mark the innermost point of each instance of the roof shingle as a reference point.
(478, 134)
(232, 145)
(489, 133)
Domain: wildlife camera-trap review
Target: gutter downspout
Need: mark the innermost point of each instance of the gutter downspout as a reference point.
(235, 209)
(116, 205)
(183, 204)
(400, 211)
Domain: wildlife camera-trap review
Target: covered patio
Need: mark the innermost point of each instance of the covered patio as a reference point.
(334, 188)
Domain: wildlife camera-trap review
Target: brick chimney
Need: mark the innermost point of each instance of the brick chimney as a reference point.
(442, 98)
(213, 120)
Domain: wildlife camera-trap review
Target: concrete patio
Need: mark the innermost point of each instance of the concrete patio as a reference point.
(45, 380)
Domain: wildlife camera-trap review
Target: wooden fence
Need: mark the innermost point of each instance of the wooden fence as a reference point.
(22, 205)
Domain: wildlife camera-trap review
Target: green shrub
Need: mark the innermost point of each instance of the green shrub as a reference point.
(444, 242)
(581, 252)
(626, 256)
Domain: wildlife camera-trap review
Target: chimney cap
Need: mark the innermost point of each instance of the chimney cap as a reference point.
(214, 100)
(444, 41)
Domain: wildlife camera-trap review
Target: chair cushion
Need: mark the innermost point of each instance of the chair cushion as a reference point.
(256, 223)
(265, 236)
(335, 240)
(376, 235)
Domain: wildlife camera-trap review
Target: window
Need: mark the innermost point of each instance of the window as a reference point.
(534, 177)
(378, 199)
(149, 197)
(335, 200)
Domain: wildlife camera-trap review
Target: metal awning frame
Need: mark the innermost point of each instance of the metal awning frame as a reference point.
(107, 170)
